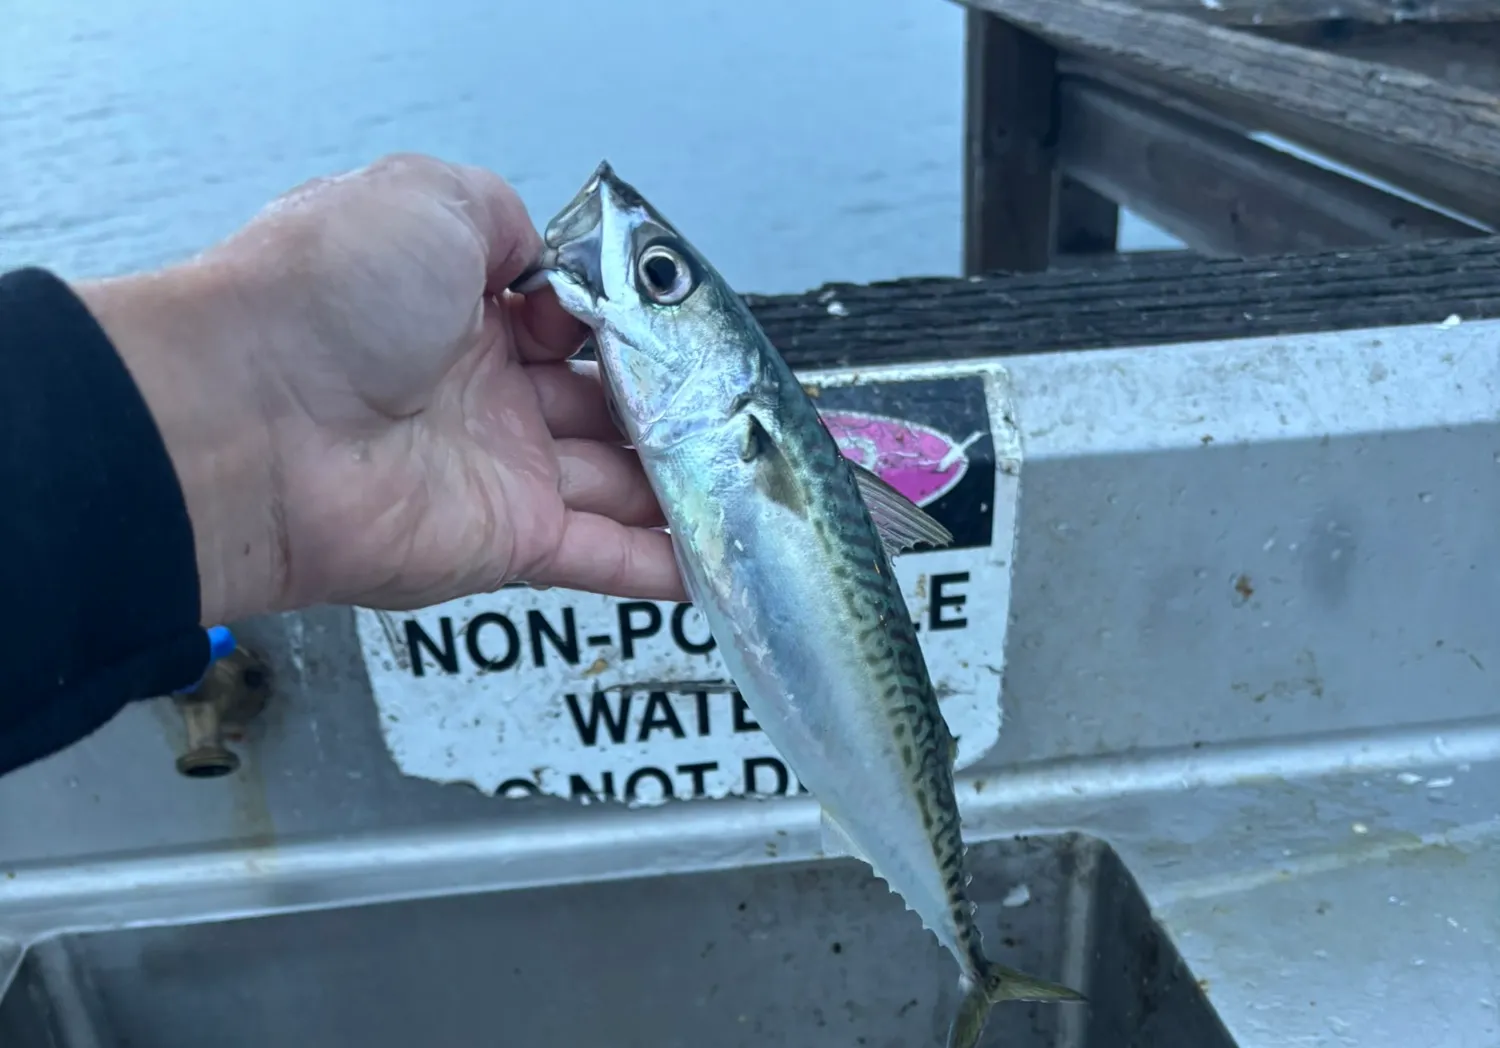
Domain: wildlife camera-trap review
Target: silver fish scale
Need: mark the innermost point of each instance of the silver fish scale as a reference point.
(888, 642)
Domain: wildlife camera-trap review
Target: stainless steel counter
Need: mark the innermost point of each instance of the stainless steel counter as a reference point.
(1251, 718)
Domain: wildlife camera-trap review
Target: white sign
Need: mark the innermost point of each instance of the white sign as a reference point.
(509, 691)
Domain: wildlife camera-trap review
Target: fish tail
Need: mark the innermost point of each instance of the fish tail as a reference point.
(995, 983)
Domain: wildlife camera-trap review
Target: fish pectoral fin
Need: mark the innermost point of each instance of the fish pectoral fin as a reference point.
(901, 522)
(756, 443)
(837, 842)
(774, 476)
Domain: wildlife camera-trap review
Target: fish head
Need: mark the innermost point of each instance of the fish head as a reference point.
(664, 320)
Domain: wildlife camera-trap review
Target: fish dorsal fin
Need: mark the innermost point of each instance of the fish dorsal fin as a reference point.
(901, 523)
(836, 842)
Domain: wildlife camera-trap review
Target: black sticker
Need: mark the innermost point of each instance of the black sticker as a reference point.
(957, 410)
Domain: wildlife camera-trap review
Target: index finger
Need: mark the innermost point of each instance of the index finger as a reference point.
(511, 240)
(597, 554)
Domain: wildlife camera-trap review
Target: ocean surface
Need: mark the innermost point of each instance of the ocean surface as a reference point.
(794, 143)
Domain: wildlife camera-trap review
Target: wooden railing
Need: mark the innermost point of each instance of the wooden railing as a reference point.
(1077, 107)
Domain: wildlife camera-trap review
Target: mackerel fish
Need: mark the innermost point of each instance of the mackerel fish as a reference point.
(785, 547)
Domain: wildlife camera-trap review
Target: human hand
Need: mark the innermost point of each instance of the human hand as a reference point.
(359, 412)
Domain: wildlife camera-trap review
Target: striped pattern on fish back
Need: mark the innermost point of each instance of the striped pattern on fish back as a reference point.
(887, 641)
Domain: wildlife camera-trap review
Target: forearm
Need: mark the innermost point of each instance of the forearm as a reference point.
(187, 339)
(99, 569)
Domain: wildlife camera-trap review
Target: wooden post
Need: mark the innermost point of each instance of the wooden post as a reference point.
(1018, 211)
(1010, 180)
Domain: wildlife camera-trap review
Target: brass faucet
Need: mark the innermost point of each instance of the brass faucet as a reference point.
(232, 693)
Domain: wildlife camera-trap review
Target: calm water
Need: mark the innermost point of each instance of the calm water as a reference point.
(795, 142)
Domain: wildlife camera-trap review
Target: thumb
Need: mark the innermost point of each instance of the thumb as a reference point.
(511, 240)
(545, 331)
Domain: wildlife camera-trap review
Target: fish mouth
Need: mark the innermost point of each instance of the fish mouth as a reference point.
(573, 240)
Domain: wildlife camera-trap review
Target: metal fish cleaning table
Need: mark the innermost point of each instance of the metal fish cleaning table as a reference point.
(1217, 634)
(1243, 791)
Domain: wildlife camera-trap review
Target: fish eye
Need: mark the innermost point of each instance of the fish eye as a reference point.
(665, 275)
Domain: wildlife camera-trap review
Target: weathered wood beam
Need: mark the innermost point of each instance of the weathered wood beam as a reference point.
(1220, 192)
(1010, 179)
(1459, 54)
(1133, 301)
(1109, 259)
(1442, 135)
(1291, 12)
(1444, 183)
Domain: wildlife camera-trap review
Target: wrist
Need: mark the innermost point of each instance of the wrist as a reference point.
(185, 339)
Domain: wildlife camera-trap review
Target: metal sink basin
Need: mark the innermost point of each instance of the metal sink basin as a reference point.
(810, 953)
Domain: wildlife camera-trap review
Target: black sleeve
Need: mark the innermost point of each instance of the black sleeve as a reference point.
(97, 564)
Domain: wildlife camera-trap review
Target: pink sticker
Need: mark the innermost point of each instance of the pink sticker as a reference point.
(918, 461)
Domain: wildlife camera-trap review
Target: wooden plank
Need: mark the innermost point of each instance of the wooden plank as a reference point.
(1107, 259)
(1010, 180)
(1458, 54)
(1220, 192)
(1446, 184)
(1291, 12)
(1427, 120)
(1134, 302)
